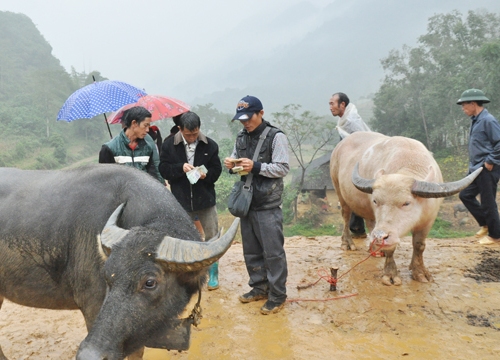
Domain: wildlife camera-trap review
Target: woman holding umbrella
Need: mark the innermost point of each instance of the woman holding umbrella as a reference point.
(133, 146)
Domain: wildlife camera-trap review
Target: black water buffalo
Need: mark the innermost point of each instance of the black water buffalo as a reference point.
(110, 241)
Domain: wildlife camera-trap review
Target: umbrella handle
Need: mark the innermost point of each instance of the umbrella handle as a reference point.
(106, 121)
(105, 118)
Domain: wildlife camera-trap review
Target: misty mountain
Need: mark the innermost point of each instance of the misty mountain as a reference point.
(315, 52)
(25, 58)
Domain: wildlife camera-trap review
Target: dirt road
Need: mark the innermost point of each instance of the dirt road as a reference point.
(455, 317)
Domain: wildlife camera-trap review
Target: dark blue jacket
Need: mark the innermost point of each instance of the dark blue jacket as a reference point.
(484, 142)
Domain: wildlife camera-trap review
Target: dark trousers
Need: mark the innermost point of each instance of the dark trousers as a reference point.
(356, 224)
(486, 211)
(265, 259)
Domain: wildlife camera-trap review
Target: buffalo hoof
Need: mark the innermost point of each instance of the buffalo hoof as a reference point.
(421, 277)
(389, 281)
(346, 247)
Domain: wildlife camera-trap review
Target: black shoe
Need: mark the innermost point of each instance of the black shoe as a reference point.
(271, 307)
(252, 295)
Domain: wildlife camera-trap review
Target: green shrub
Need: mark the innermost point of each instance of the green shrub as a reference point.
(60, 153)
(46, 162)
(289, 193)
(20, 151)
(223, 187)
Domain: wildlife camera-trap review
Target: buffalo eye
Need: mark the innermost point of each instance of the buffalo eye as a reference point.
(150, 284)
(406, 203)
(375, 201)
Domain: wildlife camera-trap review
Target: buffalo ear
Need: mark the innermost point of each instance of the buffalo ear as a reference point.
(379, 173)
(112, 234)
(431, 175)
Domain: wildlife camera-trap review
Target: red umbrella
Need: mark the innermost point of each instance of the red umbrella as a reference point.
(159, 106)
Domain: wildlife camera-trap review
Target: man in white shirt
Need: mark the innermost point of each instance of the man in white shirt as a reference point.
(349, 121)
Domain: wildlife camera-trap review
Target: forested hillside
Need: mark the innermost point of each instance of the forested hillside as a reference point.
(33, 87)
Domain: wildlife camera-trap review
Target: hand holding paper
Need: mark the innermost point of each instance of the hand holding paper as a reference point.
(238, 169)
(195, 174)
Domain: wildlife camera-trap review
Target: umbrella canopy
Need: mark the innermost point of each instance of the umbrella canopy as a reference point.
(98, 98)
(159, 106)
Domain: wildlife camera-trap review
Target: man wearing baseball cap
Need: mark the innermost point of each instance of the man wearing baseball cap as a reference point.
(484, 151)
(262, 228)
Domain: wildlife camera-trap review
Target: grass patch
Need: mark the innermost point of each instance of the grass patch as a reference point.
(307, 230)
(443, 229)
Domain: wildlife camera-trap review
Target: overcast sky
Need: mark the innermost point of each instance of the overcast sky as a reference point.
(199, 50)
(141, 41)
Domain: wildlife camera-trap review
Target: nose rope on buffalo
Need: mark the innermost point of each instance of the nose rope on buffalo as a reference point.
(333, 279)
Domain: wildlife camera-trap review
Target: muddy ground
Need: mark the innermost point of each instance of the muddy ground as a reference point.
(455, 317)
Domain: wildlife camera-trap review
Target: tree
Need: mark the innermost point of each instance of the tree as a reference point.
(215, 124)
(225, 182)
(308, 136)
(418, 96)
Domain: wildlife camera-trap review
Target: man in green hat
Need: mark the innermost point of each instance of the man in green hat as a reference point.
(484, 151)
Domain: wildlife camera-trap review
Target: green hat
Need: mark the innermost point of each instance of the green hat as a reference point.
(473, 95)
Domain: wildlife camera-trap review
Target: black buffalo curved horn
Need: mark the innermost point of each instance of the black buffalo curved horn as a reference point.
(437, 190)
(365, 185)
(112, 234)
(184, 255)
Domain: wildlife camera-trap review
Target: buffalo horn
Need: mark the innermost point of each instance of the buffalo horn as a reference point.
(184, 255)
(112, 234)
(437, 190)
(365, 185)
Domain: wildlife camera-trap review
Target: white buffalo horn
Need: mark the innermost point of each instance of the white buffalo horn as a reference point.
(112, 234)
(184, 255)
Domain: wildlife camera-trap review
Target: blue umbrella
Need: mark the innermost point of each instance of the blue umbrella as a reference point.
(98, 98)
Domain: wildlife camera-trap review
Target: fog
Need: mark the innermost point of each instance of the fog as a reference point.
(287, 51)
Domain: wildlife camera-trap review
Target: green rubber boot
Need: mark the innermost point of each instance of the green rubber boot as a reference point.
(213, 272)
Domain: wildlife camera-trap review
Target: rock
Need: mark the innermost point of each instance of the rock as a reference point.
(465, 221)
(459, 208)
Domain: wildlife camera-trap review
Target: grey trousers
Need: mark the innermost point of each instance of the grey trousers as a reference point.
(209, 221)
(265, 258)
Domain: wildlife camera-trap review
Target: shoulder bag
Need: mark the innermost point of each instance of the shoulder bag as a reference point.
(240, 197)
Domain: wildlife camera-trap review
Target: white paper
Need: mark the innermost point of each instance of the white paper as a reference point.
(195, 174)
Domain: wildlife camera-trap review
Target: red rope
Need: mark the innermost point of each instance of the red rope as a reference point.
(327, 299)
(323, 274)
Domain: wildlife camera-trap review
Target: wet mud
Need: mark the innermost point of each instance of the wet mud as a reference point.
(455, 317)
(488, 270)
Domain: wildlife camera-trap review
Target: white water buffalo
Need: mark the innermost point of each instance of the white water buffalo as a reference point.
(110, 241)
(395, 184)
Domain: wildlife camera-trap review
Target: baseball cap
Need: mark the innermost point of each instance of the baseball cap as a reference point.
(246, 107)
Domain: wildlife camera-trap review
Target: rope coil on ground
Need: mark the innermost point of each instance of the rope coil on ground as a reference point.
(323, 275)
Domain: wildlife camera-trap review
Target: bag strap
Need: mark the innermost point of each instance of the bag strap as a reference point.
(262, 137)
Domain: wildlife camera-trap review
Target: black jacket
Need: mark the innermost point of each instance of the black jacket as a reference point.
(173, 156)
